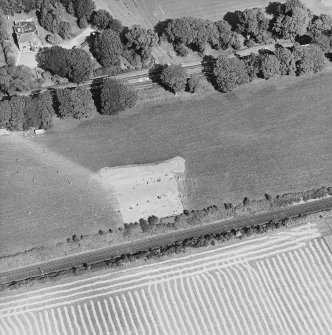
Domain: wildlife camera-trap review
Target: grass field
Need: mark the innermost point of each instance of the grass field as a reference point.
(272, 137)
(148, 12)
(279, 283)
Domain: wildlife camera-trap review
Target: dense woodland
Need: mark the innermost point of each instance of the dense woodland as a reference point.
(112, 42)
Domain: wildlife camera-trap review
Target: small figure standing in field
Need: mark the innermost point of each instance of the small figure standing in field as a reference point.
(34, 180)
(69, 182)
(17, 160)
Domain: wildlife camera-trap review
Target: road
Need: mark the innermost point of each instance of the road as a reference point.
(99, 255)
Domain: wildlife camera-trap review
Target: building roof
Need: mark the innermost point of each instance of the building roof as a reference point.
(25, 31)
(24, 27)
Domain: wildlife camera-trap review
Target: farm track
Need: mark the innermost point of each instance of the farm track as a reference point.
(99, 255)
(269, 285)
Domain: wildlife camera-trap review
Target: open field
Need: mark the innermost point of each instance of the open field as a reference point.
(269, 137)
(38, 203)
(279, 283)
(148, 12)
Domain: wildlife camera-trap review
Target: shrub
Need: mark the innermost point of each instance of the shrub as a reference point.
(181, 50)
(193, 83)
(53, 39)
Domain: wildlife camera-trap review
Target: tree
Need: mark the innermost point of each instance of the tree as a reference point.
(84, 9)
(116, 97)
(65, 106)
(193, 32)
(292, 21)
(55, 60)
(229, 73)
(174, 77)
(3, 27)
(286, 59)
(80, 65)
(15, 79)
(141, 40)
(107, 48)
(101, 19)
(10, 7)
(46, 110)
(50, 16)
(193, 83)
(5, 112)
(74, 64)
(53, 39)
(269, 65)
(18, 105)
(253, 24)
(252, 65)
(323, 41)
(83, 104)
(65, 30)
(227, 37)
(312, 61)
(321, 24)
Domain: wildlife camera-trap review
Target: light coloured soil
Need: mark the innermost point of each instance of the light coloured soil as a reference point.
(28, 59)
(147, 189)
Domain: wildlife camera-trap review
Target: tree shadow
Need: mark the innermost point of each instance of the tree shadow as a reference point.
(208, 64)
(274, 8)
(233, 18)
(96, 89)
(160, 27)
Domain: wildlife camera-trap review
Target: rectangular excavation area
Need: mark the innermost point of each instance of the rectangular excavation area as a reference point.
(147, 189)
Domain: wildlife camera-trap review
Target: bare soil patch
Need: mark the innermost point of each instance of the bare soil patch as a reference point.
(143, 190)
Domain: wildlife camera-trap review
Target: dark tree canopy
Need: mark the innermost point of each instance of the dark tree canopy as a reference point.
(116, 97)
(101, 18)
(84, 8)
(74, 64)
(174, 77)
(80, 65)
(292, 20)
(286, 59)
(253, 24)
(312, 60)
(229, 73)
(227, 37)
(193, 83)
(3, 27)
(141, 40)
(10, 7)
(23, 112)
(65, 30)
(193, 32)
(107, 48)
(15, 79)
(252, 65)
(76, 103)
(269, 65)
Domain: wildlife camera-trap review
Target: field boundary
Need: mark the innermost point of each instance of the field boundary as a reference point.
(148, 247)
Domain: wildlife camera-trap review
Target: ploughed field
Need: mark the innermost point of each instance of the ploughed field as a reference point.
(278, 283)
